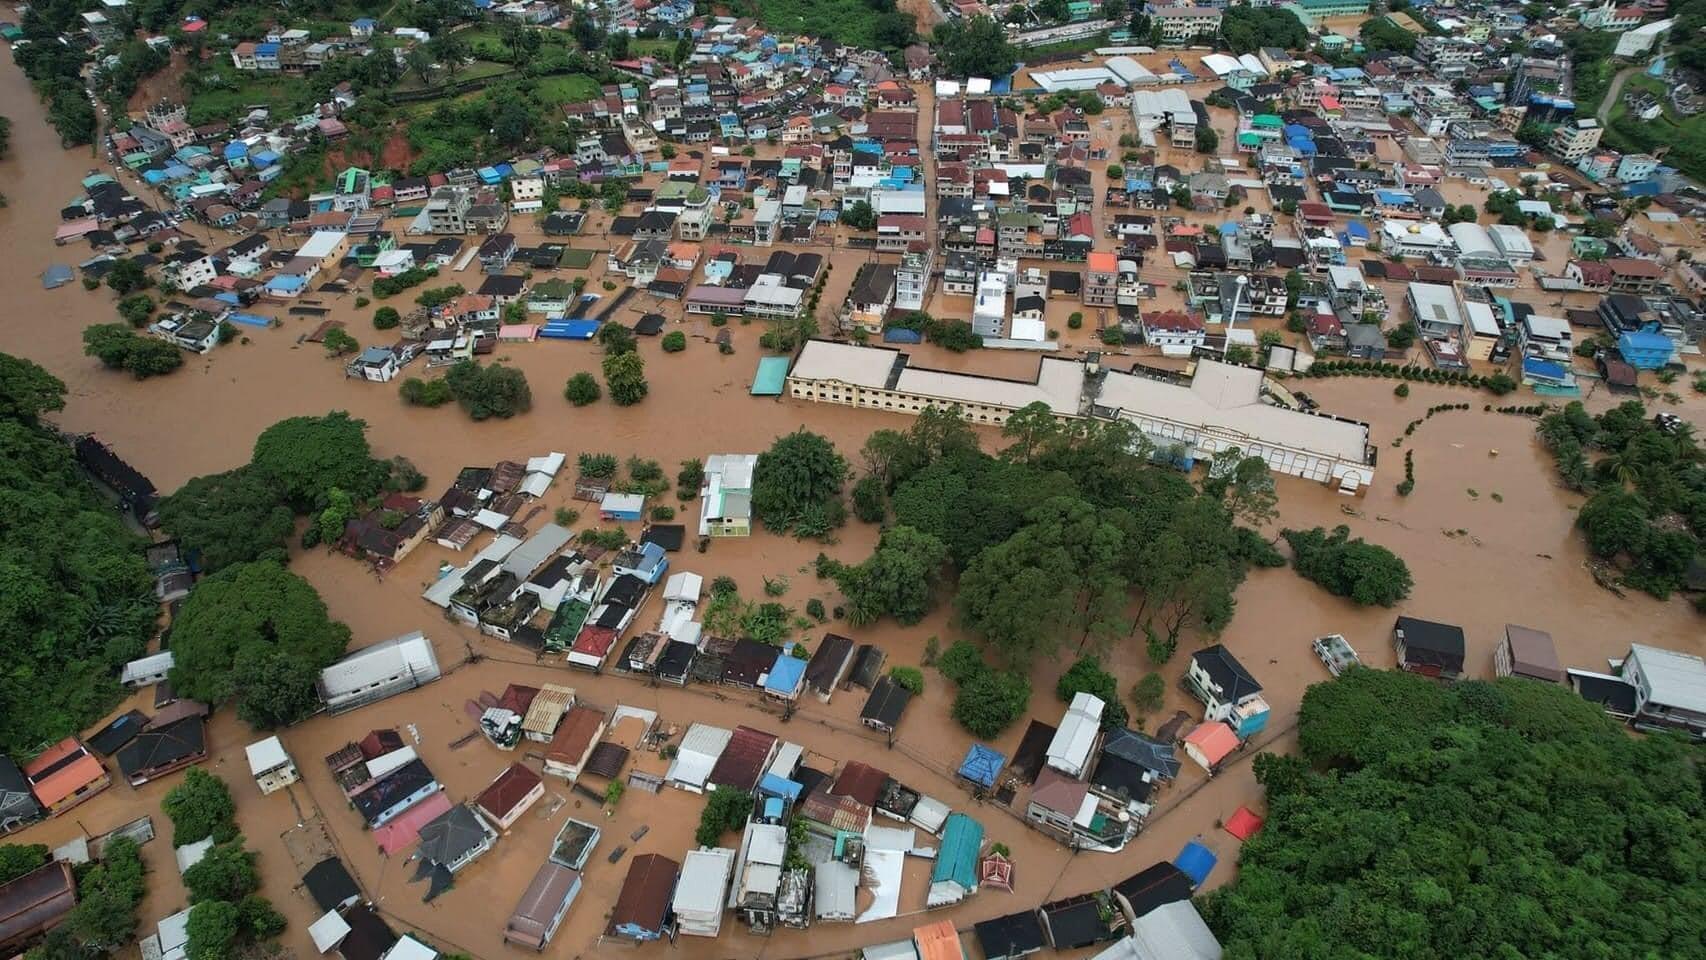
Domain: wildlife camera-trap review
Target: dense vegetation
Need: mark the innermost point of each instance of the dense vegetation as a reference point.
(78, 602)
(796, 485)
(55, 69)
(200, 807)
(1087, 676)
(489, 391)
(874, 24)
(1647, 509)
(1476, 820)
(975, 47)
(300, 465)
(104, 920)
(726, 810)
(1365, 573)
(259, 634)
(118, 347)
(1248, 29)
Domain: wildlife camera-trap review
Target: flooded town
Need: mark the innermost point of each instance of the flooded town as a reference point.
(852, 480)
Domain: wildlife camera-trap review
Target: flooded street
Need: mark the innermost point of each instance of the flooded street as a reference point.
(1487, 534)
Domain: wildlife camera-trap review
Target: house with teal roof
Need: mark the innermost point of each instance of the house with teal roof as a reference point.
(954, 876)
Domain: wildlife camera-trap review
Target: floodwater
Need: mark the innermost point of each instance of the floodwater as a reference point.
(1487, 535)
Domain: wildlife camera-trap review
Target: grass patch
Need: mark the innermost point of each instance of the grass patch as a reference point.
(847, 21)
(478, 70)
(567, 88)
(577, 259)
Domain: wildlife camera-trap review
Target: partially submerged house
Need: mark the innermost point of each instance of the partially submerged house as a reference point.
(509, 795)
(382, 670)
(64, 775)
(574, 740)
(1075, 739)
(1526, 652)
(168, 747)
(543, 906)
(35, 903)
(1670, 689)
(18, 805)
(954, 876)
(1228, 692)
(456, 838)
(1428, 648)
(271, 767)
(1210, 744)
(698, 753)
(698, 901)
(884, 707)
(642, 909)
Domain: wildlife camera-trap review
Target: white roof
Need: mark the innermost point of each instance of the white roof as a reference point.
(1220, 63)
(1226, 400)
(539, 548)
(890, 838)
(386, 762)
(1085, 78)
(408, 948)
(1345, 277)
(787, 758)
(1547, 328)
(735, 469)
(1511, 239)
(1252, 63)
(1129, 71)
(321, 244)
(1435, 302)
(837, 886)
(149, 666)
(381, 661)
(894, 950)
(1160, 104)
(174, 933)
(1174, 931)
(328, 931)
(1070, 749)
(1029, 328)
(622, 502)
(947, 88)
(1059, 385)
(683, 586)
(698, 753)
(535, 484)
(266, 755)
(548, 464)
(1414, 232)
(393, 258)
(1481, 319)
(977, 86)
(883, 872)
(1674, 679)
(1472, 238)
(704, 877)
(190, 854)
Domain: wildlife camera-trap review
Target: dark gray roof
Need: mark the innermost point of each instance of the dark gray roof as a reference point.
(1226, 672)
(449, 837)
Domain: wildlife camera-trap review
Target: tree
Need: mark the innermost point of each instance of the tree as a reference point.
(1240, 353)
(214, 927)
(425, 393)
(136, 309)
(800, 472)
(126, 276)
(726, 810)
(870, 499)
(308, 456)
(674, 342)
(226, 872)
(200, 807)
(860, 216)
(990, 701)
(616, 339)
(118, 347)
(1087, 676)
(582, 389)
(27, 390)
(898, 579)
(975, 47)
(1207, 140)
(489, 391)
(257, 633)
(1363, 572)
(1615, 522)
(1150, 693)
(1355, 819)
(338, 343)
(105, 916)
(260, 920)
(1245, 485)
(689, 478)
(625, 378)
(386, 318)
(17, 859)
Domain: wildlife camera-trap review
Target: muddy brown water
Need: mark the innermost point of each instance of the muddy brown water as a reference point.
(1479, 560)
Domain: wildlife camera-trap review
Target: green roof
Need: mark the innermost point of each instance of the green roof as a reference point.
(772, 371)
(956, 860)
(1267, 120)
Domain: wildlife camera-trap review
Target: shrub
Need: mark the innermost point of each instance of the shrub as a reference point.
(990, 702)
(911, 678)
(361, 302)
(961, 661)
(1401, 390)
(1113, 336)
(386, 318)
(425, 393)
(1075, 321)
(582, 389)
(1149, 693)
(566, 517)
(663, 514)
(674, 341)
(814, 609)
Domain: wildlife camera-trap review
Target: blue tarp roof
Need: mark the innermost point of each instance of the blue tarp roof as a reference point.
(785, 675)
(780, 787)
(249, 319)
(569, 329)
(1356, 228)
(266, 49)
(1543, 368)
(1195, 861)
(982, 765)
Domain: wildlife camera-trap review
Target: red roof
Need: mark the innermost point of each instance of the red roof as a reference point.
(1101, 261)
(1593, 272)
(902, 221)
(742, 761)
(1325, 325)
(1243, 824)
(574, 737)
(62, 770)
(403, 830)
(1176, 321)
(594, 641)
(1635, 268)
(1314, 211)
(1214, 740)
(508, 791)
(860, 781)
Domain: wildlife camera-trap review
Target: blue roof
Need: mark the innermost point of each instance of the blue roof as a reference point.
(785, 675)
(286, 282)
(1393, 196)
(780, 787)
(1195, 861)
(366, 22)
(569, 329)
(266, 49)
(772, 371)
(1543, 368)
(57, 275)
(956, 860)
(773, 807)
(1228, 229)
(1356, 228)
(236, 148)
(982, 765)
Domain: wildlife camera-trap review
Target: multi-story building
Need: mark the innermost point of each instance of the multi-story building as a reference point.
(1448, 57)
(1670, 689)
(1439, 321)
(1184, 24)
(912, 277)
(447, 210)
(1101, 279)
(1636, 167)
(1576, 139)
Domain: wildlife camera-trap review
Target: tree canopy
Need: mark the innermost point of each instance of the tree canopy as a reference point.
(104, 919)
(1478, 820)
(1363, 572)
(625, 376)
(78, 602)
(306, 457)
(795, 482)
(489, 391)
(975, 47)
(1248, 29)
(200, 807)
(899, 579)
(231, 517)
(260, 634)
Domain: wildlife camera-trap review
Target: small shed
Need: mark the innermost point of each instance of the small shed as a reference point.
(622, 506)
(1244, 823)
(147, 671)
(1429, 648)
(981, 767)
(1196, 861)
(1210, 744)
(883, 708)
(1526, 652)
(786, 677)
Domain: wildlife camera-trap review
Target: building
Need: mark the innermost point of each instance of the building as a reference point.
(1670, 689)
(169, 747)
(1429, 648)
(1637, 42)
(1101, 279)
(543, 906)
(64, 775)
(912, 276)
(1227, 691)
(1177, 333)
(579, 732)
(954, 876)
(456, 838)
(1576, 139)
(642, 909)
(725, 495)
(508, 796)
(1075, 738)
(271, 767)
(1184, 24)
(1526, 652)
(1174, 931)
(700, 893)
(373, 673)
(18, 806)
(1209, 744)
(35, 903)
(1222, 406)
